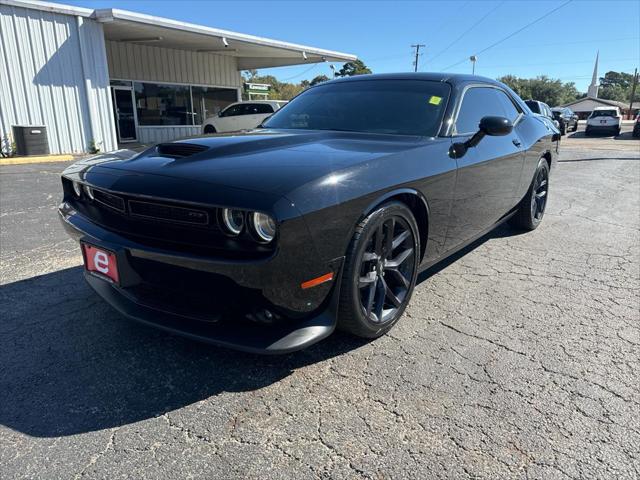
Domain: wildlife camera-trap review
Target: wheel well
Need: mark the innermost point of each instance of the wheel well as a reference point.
(209, 129)
(419, 210)
(547, 157)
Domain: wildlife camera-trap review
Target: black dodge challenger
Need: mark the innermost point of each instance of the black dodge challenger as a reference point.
(323, 216)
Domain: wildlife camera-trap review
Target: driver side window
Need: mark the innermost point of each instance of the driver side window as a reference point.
(232, 111)
(477, 102)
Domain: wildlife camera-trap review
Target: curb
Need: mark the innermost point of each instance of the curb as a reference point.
(40, 159)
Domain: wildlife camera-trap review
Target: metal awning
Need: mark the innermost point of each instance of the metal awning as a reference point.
(251, 52)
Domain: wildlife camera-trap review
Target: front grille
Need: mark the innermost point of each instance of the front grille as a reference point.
(108, 199)
(168, 213)
(166, 224)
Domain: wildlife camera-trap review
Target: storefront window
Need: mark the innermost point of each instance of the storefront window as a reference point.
(208, 101)
(163, 104)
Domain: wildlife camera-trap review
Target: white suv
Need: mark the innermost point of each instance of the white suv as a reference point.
(604, 119)
(241, 116)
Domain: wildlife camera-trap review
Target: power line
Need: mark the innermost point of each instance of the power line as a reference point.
(467, 31)
(511, 34)
(417, 47)
(553, 44)
(546, 64)
(301, 73)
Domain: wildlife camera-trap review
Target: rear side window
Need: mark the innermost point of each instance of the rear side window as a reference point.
(260, 108)
(478, 102)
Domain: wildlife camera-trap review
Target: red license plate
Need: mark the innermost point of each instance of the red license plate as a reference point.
(100, 261)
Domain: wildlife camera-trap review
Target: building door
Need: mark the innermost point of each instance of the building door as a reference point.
(125, 114)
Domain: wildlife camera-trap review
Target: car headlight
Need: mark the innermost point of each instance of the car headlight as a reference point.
(77, 188)
(233, 220)
(264, 226)
(89, 191)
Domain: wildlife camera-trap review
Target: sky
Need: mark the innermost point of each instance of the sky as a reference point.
(562, 45)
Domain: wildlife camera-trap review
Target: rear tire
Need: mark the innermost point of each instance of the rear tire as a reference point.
(380, 271)
(532, 207)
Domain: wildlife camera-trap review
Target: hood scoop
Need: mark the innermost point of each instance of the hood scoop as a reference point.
(179, 150)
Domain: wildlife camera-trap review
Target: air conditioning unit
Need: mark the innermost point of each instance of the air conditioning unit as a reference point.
(31, 139)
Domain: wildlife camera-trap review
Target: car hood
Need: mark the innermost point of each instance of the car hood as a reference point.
(268, 161)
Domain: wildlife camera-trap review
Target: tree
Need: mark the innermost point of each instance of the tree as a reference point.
(616, 86)
(613, 79)
(553, 92)
(318, 79)
(350, 69)
(614, 92)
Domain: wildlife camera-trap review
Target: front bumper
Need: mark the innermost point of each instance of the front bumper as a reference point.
(240, 322)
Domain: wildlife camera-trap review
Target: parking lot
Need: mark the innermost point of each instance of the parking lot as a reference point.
(519, 359)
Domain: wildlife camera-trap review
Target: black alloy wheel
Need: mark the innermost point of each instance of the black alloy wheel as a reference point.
(539, 194)
(380, 271)
(532, 207)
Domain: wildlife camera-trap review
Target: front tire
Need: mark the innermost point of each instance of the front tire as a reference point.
(380, 271)
(532, 207)
(209, 129)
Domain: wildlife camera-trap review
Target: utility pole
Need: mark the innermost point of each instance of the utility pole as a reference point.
(417, 47)
(633, 93)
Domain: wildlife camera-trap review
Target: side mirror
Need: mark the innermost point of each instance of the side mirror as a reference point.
(496, 126)
(492, 126)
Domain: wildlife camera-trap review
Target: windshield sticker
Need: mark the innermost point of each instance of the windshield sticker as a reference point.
(435, 100)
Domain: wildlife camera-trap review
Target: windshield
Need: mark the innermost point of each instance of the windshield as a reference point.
(603, 113)
(400, 107)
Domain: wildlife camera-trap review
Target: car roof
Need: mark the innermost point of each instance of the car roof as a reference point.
(430, 76)
(257, 101)
(612, 107)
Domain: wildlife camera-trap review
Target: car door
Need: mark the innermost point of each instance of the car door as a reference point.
(228, 119)
(488, 174)
(253, 114)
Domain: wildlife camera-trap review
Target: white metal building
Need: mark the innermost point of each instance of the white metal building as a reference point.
(113, 76)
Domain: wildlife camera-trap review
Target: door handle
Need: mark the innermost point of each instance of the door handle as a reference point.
(516, 142)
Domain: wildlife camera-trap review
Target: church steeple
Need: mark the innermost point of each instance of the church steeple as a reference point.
(592, 92)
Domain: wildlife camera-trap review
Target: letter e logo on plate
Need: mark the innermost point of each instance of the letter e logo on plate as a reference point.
(101, 261)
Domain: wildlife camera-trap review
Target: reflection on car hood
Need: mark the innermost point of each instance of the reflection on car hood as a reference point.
(267, 161)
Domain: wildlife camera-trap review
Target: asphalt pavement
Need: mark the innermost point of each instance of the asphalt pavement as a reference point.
(519, 358)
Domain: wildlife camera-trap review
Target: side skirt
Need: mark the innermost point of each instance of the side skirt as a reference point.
(463, 245)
